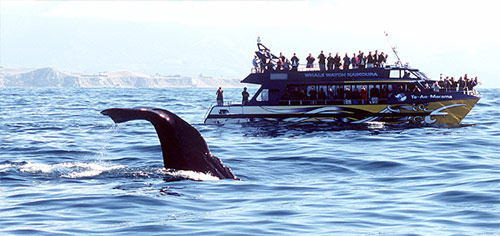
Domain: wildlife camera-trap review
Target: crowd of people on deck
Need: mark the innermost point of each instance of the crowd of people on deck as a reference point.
(360, 94)
(330, 63)
(367, 93)
(450, 84)
(339, 93)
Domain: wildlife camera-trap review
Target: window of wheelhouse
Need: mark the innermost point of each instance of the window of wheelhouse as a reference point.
(406, 87)
(395, 74)
(263, 96)
(403, 74)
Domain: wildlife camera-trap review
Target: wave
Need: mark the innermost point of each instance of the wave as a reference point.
(69, 169)
(77, 170)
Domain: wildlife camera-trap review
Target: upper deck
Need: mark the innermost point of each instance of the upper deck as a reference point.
(293, 83)
(270, 69)
(314, 75)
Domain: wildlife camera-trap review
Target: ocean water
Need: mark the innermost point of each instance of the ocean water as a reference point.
(66, 169)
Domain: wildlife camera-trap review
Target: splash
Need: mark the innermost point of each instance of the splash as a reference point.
(75, 170)
(70, 169)
(188, 174)
(4, 167)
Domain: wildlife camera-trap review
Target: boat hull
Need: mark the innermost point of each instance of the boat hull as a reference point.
(444, 112)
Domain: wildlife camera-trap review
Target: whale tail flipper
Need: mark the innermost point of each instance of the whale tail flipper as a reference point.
(182, 145)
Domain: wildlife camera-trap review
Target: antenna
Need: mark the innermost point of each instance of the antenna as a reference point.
(393, 49)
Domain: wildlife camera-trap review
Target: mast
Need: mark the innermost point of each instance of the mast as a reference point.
(393, 49)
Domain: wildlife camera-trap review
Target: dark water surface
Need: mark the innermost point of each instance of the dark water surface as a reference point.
(66, 169)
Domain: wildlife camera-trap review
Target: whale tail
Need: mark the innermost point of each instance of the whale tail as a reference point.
(182, 145)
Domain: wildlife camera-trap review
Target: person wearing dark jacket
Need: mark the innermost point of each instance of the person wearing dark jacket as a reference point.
(376, 59)
(347, 61)
(329, 62)
(336, 61)
(313, 94)
(295, 62)
(321, 61)
(356, 96)
(370, 62)
(347, 96)
(382, 59)
(354, 61)
(361, 59)
(374, 94)
(220, 97)
(310, 61)
(245, 95)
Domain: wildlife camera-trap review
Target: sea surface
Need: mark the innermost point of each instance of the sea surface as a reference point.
(66, 169)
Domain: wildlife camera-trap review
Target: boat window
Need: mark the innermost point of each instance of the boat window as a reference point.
(399, 87)
(409, 75)
(312, 92)
(264, 96)
(369, 88)
(395, 74)
(322, 88)
(331, 91)
(422, 75)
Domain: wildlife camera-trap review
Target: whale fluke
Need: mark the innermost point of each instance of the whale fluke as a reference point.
(182, 145)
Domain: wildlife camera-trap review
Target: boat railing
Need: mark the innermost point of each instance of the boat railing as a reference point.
(332, 102)
(209, 110)
(300, 68)
(466, 91)
(228, 104)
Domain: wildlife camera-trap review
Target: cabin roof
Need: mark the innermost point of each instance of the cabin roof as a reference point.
(372, 75)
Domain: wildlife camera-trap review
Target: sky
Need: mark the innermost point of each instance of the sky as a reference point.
(218, 38)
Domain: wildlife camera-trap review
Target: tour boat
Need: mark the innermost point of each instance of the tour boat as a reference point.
(395, 94)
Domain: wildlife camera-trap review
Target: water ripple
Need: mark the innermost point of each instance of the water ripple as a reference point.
(66, 169)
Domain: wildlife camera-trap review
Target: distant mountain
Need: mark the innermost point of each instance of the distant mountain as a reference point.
(49, 77)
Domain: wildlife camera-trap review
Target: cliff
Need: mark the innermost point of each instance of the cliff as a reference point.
(49, 77)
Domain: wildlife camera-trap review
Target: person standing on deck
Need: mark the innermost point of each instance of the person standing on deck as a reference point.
(220, 97)
(321, 59)
(310, 61)
(245, 96)
(347, 62)
(376, 59)
(336, 61)
(329, 63)
(374, 94)
(361, 59)
(382, 59)
(256, 64)
(295, 62)
(363, 94)
(354, 61)
(370, 62)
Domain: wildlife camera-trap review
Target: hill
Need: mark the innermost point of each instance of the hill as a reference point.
(50, 77)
